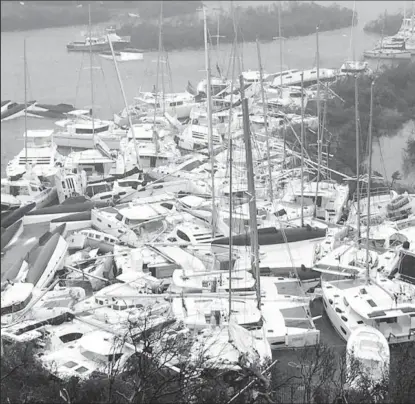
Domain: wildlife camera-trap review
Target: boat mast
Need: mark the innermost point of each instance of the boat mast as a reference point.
(356, 103)
(280, 36)
(369, 172)
(318, 122)
(158, 67)
(90, 69)
(209, 116)
(251, 192)
(265, 113)
(302, 149)
(352, 34)
(130, 122)
(25, 101)
(231, 180)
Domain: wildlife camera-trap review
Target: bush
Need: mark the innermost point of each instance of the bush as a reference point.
(386, 24)
(254, 22)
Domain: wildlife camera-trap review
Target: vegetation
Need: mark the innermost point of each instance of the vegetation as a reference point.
(253, 22)
(17, 17)
(44, 14)
(393, 105)
(314, 375)
(385, 24)
(409, 158)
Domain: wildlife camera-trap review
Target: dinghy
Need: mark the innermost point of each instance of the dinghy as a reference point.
(368, 358)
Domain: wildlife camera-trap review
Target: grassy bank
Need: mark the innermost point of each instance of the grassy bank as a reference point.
(253, 22)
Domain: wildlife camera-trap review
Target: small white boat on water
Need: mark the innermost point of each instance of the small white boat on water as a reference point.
(367, 358)
(125, 55)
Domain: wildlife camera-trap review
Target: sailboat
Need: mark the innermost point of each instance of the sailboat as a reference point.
(374, 301)
(26, 186)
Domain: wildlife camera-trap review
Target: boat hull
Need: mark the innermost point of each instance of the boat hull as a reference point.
(11, 234)
(387, 55)
(85, 141)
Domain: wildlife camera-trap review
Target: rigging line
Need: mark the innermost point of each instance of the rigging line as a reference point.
(106, 87)
(79, 79)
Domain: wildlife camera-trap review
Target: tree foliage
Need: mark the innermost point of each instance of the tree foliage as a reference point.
(386, 24)
(393, 105)
(254, 22)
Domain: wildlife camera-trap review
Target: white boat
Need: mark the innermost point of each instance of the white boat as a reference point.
(352, 67)
(382, 303)
(124, 55)
(97, 350)
(40, 154)
(148, 103)
(28, 190)
(211, 348)
(367, 358)
(195, 137)
(309, 77)
(78, 132)
(382, 53)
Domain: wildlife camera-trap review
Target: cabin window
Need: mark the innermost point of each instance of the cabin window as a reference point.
(167, 205)
(63, 185)
(344, 318)
(346, 303)
(106, 239)
(73, 336)
(106, 197)
(359, 322)
(109, 225)
(34, 189)
(119, 217)
(343, 330)
(82, 369)
(388, 320)
(183, 236)
(70, 364)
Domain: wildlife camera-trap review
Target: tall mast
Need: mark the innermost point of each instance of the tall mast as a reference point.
(352, 33)
(356, 103)
(25, 101)
(158, 66)
(210, 129)
(280, 35)
(130, 122)
(231, 179)
(369, 172)
(318, 122)
(90, 69)
(302, 149)
(265, 113)
(251, 192)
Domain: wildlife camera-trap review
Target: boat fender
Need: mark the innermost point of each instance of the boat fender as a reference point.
(406, 245)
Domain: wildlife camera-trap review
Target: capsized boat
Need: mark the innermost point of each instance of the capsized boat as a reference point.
(15, 110)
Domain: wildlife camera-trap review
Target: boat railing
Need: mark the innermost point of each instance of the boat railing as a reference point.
(379, 191)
